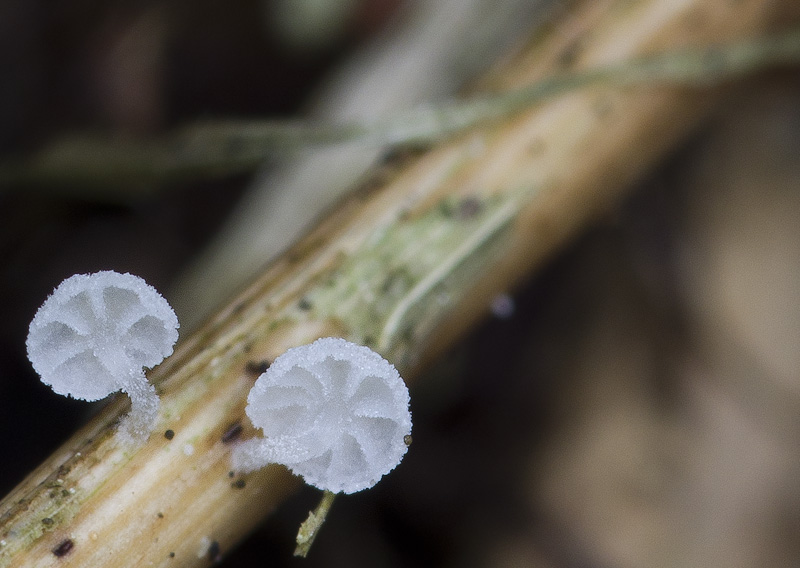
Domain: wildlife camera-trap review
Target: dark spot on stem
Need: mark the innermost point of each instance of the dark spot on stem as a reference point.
(160, 515)
(569, 55)
(214, 553)
(63, 548)
(172, 555)
(169, 434)
(231, 474)
(232, 433)
(238, 484)
(537, 147)
(48, 522)
(256, 367)
(468, 208)
(304, 304)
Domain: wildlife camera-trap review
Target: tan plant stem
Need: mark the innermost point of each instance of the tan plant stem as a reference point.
(407, 266)
(224, 147)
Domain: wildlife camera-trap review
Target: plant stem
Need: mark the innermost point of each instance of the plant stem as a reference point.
(310, 527)
(225, 147)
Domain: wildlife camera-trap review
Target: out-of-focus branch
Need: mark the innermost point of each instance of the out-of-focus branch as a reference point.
(224, 147)
(406, 266)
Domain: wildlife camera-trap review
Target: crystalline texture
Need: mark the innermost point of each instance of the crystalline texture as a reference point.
(95, 334)
(332, 411)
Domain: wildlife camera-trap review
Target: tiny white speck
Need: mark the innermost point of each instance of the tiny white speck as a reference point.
(205, 544)
(77, 454)
(72, 491)
(59, 480)
(3, 543)
(93, 535)
(502, 306)
(188, 449)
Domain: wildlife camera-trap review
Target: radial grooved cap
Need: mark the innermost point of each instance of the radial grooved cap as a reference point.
(96, 333)
(334, 412)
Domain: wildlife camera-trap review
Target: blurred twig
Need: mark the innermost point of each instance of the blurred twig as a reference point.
(223, 147)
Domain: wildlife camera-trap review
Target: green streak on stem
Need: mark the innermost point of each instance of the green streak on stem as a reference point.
(395, 289)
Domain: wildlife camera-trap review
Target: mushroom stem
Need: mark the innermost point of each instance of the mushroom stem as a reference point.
(310, 527)
(144, 410)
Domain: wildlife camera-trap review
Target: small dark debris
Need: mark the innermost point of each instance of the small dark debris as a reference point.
(52, 495)
(172, 555)
(238, 484)
(569, 55)
(169, 434)
(304, 304)
(537, 147)
(469, 207)
(64, 493)
(257, 367)
(48, 522)
(214, 553)
(231, 474)
(446, 208)
(407, 439)
(160, 515)
(232, 433)
(63, 470)
(602, 107)
(63, 548)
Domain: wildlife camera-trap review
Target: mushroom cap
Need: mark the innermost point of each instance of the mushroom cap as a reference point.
(95, 333)
(334, 412)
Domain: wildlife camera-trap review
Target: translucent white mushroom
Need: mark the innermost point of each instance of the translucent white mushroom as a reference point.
(334, 412)
(95, 334)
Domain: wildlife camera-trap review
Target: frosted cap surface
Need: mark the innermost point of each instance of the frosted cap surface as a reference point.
(96, 332)
(332, 411)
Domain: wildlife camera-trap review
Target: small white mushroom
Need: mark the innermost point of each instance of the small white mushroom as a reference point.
(334, 412)
(95, 334)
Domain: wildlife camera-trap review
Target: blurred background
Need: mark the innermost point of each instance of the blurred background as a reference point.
(639, 407)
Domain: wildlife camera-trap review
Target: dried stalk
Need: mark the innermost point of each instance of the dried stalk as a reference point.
(224, 147)
(405, 266)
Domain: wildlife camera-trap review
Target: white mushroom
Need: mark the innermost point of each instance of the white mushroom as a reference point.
(94, 335)
(334, 412)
